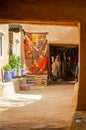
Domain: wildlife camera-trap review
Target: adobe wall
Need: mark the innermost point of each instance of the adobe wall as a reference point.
(56, 34)
(52, 11)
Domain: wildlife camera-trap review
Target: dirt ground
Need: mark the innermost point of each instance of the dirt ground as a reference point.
(40, 107)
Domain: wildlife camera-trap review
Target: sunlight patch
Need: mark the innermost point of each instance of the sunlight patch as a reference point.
(17, 100)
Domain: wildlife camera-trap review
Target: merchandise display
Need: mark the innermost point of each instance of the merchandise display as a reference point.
(36, 57)
(64, 63)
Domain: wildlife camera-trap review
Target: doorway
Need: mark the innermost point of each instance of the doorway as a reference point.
(63, 63)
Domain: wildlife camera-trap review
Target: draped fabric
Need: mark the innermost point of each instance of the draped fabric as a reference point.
(36, 53)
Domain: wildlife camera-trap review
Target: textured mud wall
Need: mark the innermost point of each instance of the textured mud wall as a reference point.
(42, 10)
(51, 11)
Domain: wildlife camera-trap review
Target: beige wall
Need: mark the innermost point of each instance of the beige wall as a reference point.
(57, 34)
(4, 59)
(17, 49)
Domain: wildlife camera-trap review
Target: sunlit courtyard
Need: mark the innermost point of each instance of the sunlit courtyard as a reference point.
(40, 107)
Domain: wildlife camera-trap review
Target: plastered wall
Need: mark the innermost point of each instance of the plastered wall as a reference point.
(57, 34)
(5, 55)
(17, 43)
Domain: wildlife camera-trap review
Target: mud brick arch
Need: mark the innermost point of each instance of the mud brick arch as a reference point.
(51, 12)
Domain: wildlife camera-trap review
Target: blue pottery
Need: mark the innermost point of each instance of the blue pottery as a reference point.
(8, 75)
(14, 73)
(23, 73)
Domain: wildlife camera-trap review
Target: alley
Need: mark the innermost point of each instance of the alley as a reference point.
(40, 107)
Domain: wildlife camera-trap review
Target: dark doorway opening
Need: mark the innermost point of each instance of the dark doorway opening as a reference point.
(63, 63)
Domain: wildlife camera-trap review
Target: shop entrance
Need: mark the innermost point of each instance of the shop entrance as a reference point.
(63, 63)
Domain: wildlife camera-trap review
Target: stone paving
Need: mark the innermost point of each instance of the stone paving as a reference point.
(38, 108)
